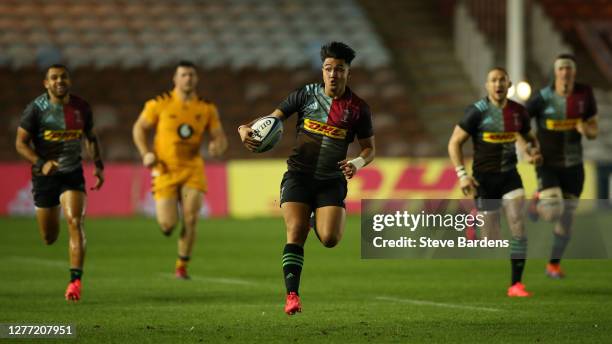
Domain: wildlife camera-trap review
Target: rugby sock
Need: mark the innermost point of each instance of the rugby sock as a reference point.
(182, 261)
(559, 245)
(75, 274)
(518, 252)
(293, 259)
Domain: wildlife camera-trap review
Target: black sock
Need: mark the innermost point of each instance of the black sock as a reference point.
(293, 259)
(518, 253)
(518, 265)
(559, 245)
(75, 274)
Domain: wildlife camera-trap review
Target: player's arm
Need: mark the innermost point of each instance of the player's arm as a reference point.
(366, 156)
(588, 128)
(218, 141)
(455, 152)
(24, 148)
(529, 145)
(92, 145)
(139, 135)
(246, 133)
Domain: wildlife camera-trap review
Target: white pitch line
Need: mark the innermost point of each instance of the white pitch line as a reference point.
(39, 261)
(220, 280)
(437, 304)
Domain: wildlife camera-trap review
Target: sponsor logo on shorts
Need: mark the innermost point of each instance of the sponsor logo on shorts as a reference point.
(561, 124)
(324, 129)
(499, 137)
(62, 135)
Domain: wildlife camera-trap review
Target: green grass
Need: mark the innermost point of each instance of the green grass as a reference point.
(237, 293)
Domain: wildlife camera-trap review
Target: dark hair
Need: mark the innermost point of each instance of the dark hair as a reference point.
(337, 50)
(501, 69)
(186, 63)
(566, 56)
(56, 65)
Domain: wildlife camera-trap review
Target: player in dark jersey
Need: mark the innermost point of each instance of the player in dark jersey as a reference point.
(564, 112)
(495, 123)
(330, 115)
(50, 136)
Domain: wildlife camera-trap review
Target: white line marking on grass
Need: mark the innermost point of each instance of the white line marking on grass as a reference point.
(40, 261)
(437, 304)
(220, 280)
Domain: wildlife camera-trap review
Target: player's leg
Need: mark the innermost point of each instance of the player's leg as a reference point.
(191, 202)
(550, 204)
(572, 181)
(48, 223)
(73, 205)
(296, 216)
(166, 213)
(330, 214)
(330, 222)
(296, 198)
(513, 202)
(488, 204)
(165, 187)
(46, 192)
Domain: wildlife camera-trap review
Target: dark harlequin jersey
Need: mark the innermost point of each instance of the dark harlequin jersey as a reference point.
(57, 129)
(493, 132)
(325, 128)
(556, 119)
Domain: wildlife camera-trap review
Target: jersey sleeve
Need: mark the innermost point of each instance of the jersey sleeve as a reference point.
(470, 120)
(364, 125)
(213, 121)
(294, 102)
(535, 105)
(29, 120)
(88, 119)
(526, 121)
(591, 106)
(151, 111)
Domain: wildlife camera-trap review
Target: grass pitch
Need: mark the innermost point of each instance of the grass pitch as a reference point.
(237, 292)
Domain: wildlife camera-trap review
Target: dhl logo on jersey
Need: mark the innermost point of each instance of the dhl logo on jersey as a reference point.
(324, 129)
(500, 137)
(561, 124)
(62, 135)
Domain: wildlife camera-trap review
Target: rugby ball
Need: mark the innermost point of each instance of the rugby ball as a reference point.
(268, 130)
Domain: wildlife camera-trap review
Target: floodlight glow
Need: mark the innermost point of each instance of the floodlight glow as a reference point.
(510, 93)
(523, 90)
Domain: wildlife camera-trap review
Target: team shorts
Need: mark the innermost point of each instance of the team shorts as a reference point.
(569, 179)
(167, 183)
(493, 186)
(47, 189)
(302, 188)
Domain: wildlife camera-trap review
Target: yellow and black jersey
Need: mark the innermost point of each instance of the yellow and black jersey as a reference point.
(180, 127)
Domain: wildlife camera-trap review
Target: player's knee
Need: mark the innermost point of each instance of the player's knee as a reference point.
(551, 205)
(166, 227)
(75, 222)
(190, 220)
(330, 240)
(49, 238)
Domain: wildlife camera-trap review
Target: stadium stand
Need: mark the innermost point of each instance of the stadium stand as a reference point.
(423, 49)
(252, 54)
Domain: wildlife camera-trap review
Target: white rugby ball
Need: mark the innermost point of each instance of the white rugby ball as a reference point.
(268, 130)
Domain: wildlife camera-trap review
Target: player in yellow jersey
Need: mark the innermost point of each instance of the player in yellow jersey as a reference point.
(180, 119)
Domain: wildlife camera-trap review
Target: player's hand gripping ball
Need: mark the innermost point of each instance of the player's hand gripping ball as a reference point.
(267, 130)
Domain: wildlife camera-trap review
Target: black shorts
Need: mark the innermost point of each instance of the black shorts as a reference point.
(302, 188)
(47, 189)
(493, 186)
(569, 179)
